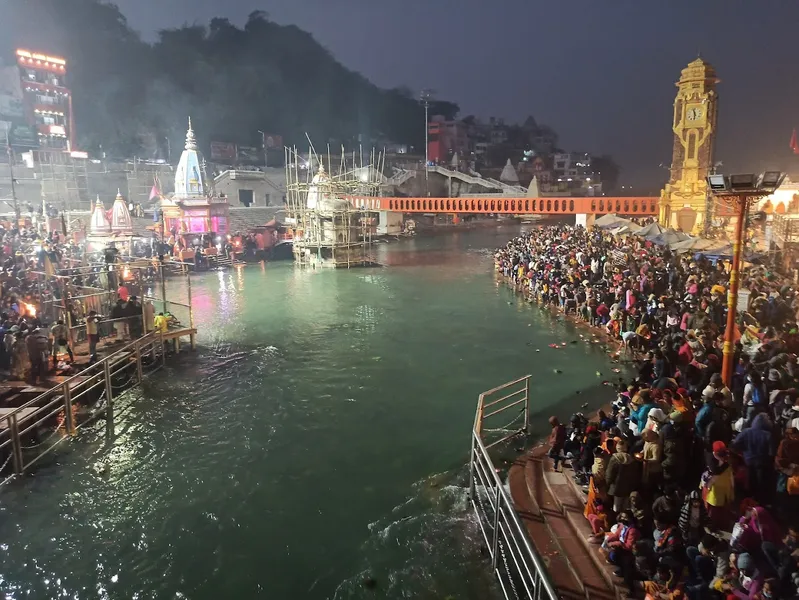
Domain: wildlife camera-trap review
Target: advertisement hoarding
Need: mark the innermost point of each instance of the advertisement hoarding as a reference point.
(223, 151)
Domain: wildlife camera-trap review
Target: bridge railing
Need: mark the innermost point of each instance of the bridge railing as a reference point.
(596, 205)
(516, 564)
(34, 429)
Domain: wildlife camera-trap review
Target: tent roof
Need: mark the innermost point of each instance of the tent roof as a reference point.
(611, 221)
(651, 229)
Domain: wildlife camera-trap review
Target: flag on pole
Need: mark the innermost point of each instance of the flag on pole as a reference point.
(794, 145)
(154, 193)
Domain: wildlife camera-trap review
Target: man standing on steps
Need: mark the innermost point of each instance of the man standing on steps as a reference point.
(60, 341)
(557, 439)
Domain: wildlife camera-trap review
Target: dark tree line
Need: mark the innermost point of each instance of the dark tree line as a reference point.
(130, 96)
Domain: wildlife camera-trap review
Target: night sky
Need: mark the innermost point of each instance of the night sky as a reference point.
(601, 72)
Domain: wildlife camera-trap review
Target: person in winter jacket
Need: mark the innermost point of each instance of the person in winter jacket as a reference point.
(786, 460)
(623, 476)
(675, 449)
(557, 439)
(693, 519)
(756, 446)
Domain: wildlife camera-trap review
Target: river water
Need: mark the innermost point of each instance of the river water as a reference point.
(313, 447)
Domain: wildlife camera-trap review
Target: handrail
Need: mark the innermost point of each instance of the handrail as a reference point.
(515, 562)
(97, 382)
(144, 339)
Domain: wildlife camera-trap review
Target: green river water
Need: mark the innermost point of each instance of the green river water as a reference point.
(318, 438)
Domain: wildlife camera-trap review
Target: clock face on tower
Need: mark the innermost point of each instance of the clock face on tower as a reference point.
(694, 113)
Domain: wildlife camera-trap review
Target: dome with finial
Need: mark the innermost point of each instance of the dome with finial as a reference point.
(191, 141)
(189, 174)
(509, 175)
(120, 216)
(99, 224)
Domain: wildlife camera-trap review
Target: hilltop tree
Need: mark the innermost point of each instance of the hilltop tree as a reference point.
(130, 95)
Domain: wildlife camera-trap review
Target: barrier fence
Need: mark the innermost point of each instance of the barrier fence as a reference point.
(36, 428)
(515, 562)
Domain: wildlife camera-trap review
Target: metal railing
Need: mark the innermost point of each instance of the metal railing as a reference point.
(35, 428)
(516, 564)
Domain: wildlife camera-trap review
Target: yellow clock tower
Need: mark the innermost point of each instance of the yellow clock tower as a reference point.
(683, 202)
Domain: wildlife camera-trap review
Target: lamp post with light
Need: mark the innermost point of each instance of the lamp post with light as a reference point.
(738, 190)
(425, 97)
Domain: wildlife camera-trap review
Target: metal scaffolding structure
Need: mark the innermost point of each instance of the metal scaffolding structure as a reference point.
(329, 230)
(64, 180)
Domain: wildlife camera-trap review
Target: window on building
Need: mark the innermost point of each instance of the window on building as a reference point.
(267, 200)
(246, 197)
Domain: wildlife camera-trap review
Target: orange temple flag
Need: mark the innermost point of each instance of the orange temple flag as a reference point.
(794, 145)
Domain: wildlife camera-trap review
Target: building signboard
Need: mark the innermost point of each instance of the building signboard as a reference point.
(272, 141)
(223, 151)
(250, 155)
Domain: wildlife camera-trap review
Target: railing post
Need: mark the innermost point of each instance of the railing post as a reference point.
(139, 371)
(109, 404)
(471, 467)
(163, 348)
(69, 424)
(495, 541)
(16, 443)
(527, 405)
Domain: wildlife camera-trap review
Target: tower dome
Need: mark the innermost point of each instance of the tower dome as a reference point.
(509, 175)
(120, 216)
(189, 176)
(99, 224)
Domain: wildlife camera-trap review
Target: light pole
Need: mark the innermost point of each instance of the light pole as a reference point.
(13, 181)
(738, 189)
(425, 98)
(263, 144)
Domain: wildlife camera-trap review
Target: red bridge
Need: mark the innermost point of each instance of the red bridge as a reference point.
(597, 205)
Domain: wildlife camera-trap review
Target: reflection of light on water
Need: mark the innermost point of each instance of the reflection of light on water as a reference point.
(240, 276)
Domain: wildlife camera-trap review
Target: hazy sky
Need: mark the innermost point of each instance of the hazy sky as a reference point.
(601, 72)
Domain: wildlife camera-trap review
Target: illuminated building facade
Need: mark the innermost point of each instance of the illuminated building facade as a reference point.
(683, 202)
(46, 98)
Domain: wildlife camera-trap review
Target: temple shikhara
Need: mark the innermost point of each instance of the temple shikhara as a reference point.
(114, 225)
(194, 208)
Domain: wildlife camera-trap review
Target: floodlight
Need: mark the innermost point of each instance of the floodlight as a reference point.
(742, 181)
(717, 183)
(770, 180)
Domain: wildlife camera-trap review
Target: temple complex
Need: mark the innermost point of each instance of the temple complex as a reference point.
(194, 208)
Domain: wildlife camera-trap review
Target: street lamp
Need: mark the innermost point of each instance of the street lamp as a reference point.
(425, 97)
(740, 189)
(263, 144)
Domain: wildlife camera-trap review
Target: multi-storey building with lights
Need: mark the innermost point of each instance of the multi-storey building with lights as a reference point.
(47, 99)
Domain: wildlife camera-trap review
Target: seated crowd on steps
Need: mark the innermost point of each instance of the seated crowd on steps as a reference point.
(693, 486)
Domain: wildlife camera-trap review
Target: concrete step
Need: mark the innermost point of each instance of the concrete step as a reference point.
(557, 565)
(554, 492)
(571, 498)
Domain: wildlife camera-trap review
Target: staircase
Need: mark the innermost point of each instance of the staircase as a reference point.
(486, 182)
(551, 504)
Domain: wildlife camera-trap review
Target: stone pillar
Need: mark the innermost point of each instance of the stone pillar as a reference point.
(390, 223)
(586, 220)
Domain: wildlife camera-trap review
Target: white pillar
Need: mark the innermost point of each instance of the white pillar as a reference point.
(585, 220)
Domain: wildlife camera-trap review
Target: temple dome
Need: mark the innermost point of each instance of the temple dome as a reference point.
(509, 175)
(121, 221)
(99, 224)
(189, 175)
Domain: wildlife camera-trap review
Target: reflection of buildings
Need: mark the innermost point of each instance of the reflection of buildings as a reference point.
(194, 208)
(47, 100)
(683, 202)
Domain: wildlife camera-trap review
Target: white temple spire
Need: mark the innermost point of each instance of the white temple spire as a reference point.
(191, 141)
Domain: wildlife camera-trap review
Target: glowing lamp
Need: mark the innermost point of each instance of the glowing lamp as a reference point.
(717, 183)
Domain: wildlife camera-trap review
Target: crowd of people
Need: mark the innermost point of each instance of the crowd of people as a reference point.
(692, 484)
(43, 315)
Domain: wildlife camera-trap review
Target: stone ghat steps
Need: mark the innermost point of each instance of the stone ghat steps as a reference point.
(552, 511)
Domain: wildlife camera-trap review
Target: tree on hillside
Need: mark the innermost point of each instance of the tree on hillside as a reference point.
(130, 96)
